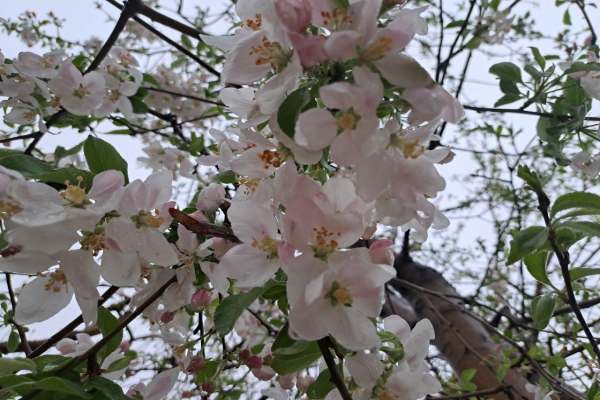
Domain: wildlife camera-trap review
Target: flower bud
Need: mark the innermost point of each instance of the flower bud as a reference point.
(254, 362)
(201, 299)
(294, 14)
(208, 387)
(195, 365)
(167, 317)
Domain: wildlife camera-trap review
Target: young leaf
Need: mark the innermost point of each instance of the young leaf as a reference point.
(290, 109)
(319, 388)
(108, 323)
(102, 156)
(26, 165)
(575, 200)
(507, 70)
(299, 356)
(525, 242)
(11, 365)
(542, 308)
(232, 307)
(536, 265)
(582, 272)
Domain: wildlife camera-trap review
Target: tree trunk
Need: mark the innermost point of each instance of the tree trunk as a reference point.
(462, 340)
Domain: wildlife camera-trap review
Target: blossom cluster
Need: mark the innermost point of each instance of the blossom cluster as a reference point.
(332, 137)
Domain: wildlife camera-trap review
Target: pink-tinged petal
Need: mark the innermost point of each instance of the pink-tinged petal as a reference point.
(300, 271)
(303, 323)
(159, 186)
(381, 252)
(121, 269)
(343, 45)
(106, 184)
(365, 17)
(251, 221)
(242, 65)
(294, 14)
(398, 326)
(339, 95)
(240, 101)
(160, 386)
(48, 239)
(365, 368)
(347, 148)
(315, 129)
(27, 262)
(310, 49)
(273, 92)
(403, 71)
(83, 275)
(123, 234)
(301, 155)
(68, 78)
(249, 266)
(41, 299)
(155, 248)
(591, 84)
(251, 164)
(409, 22)
(352, 329)
(373, 176)
(216, 275)
(371, 84)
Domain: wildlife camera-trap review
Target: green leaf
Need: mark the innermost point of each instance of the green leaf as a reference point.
(582, 272)
(232, 307)
(455, 24)
(531, 178)
(13, 341)
(583, 67)
(575, 200)
(107, 323)
(283, 339)
(539, 58)
(225, 177)
(566, 17)
(102, 156)
(290, 109)
(60, 152)
(536, 265)
(542, 308)
(507, 99)
(208, 371)
(148, 78)
(585, 228)
(11, 365)
(525, 242)
(70, 174)
(467, 375)
(185, 40)
(320, 387)
(507, 70)
(299, 356)
(50, 384)
(26, 165)
(108, 388)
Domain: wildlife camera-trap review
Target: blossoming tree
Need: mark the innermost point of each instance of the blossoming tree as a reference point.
(310, 136)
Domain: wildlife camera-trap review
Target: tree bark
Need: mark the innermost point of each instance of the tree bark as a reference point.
(462, 340)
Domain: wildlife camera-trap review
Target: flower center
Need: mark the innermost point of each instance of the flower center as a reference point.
(348, 120)
(268, 245)
(377, 49)
(57, 281)
(324, 242)
(93, 241)
(81, 92)
(339, 295)
(9, 207)
(336, 18)
(410, 148)
(385, 395)
(269, 53)
(75, 194)
(270, 158)
(148, 219)
(254, 24)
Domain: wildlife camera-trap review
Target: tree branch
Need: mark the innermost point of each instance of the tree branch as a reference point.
(336, 379)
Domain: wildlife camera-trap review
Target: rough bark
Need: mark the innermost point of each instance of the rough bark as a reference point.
(463, 341)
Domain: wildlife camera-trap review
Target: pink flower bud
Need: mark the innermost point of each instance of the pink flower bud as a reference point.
(167, 317)
(381, 253)
(264, 374)
(303, 382)
(201, 299)
(245, 354)
(286, 381)
(195, 365)
(294, 14)
(124, 346)
(188, 394)
(254, 362)
(208, 387)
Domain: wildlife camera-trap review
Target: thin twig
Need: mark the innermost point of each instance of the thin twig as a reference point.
(22, 335)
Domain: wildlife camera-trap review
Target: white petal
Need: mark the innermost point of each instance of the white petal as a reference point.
(120, 269)
(38, 301)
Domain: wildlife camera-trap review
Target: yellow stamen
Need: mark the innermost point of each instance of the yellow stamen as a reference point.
(348, 120)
